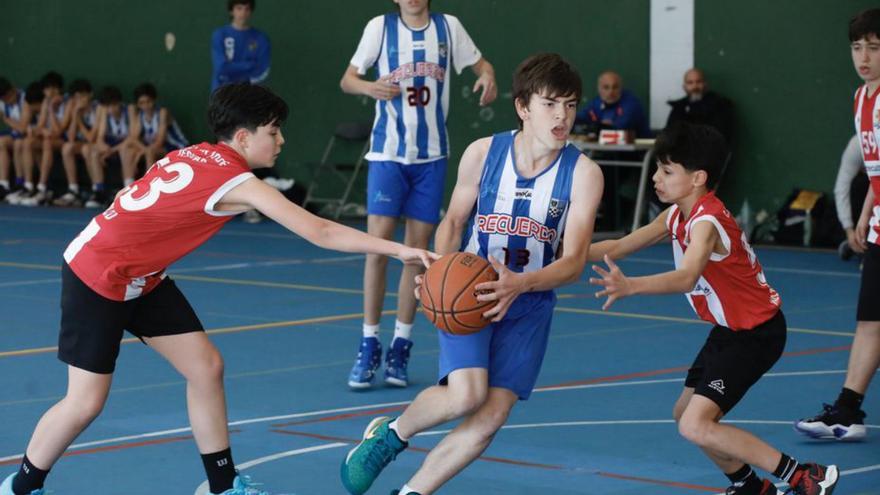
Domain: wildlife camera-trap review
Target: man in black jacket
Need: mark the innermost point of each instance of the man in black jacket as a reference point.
(701, 106)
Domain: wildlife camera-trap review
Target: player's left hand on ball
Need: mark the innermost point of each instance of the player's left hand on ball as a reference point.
(504, 290)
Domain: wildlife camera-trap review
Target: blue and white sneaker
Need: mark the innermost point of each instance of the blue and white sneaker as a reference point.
(396, 360)
(368, 361)
(834, 423)
(6, 487)
(242, 485)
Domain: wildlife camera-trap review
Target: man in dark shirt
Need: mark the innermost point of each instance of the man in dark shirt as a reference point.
(701, 106)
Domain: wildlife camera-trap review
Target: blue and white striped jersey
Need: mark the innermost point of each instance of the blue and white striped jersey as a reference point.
(518, 220)
(13, 110)
(150, 127)
(117, 128)
(411, 128)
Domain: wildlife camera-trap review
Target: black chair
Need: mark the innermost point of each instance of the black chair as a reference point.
(335, 174)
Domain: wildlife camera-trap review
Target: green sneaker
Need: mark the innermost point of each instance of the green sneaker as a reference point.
(363, 463)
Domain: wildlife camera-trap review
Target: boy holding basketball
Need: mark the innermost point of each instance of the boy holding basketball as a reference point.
(113, 279)
(720, 275)
(516, 193)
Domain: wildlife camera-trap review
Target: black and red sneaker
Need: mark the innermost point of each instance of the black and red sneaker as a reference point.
(816, 479)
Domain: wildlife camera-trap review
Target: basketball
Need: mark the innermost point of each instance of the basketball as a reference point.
(448, 296)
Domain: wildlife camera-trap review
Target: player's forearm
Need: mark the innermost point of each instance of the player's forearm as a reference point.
(448, 237)
(673, 282)
(332, 235)
(600, 249)
(563, 271)
(868, 204)
(354, 85)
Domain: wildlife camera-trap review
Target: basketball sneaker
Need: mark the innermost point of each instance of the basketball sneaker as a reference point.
(396, 360)
(767, 488)
(362, 465)
(368, 361)
(834, 423)
(69, 198)
(242, 485)
(6, 487)
(397, 492)
(815, 480)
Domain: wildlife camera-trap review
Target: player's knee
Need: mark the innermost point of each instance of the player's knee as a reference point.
(86, 407)
(67, 149)
(210, 369)
(695, 430)
(467, 401)
(493, 418)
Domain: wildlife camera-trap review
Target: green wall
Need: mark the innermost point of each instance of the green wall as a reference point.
(785, 64)
(787, 67)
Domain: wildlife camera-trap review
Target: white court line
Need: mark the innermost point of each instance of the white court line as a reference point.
(267, 419)
(30, 282)
(232, 423)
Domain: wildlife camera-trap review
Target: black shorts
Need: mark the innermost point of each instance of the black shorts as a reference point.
(869, 293)
(731, 362)
(92, 325)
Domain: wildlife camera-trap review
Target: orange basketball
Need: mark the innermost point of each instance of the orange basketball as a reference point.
(448, 297)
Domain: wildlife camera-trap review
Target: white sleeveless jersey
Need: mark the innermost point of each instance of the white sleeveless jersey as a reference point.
(867, 120)
(411, 128)
(150, 128)
(13, 110)
(519, 221)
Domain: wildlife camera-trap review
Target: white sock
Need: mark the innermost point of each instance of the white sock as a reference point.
(41, 187)
(4, 183)
(402, 330)
(406, 490)
(371, 330)
(29, 186)
(393, 426)
(74, 188)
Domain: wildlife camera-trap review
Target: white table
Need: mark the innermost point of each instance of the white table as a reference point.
(646, 145)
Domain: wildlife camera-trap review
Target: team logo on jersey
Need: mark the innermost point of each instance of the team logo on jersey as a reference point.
(442, 49)
(504, 224)
(252, 46)
(557, 206)
(717, 385)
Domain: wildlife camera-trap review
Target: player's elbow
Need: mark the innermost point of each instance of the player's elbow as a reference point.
(687, 280)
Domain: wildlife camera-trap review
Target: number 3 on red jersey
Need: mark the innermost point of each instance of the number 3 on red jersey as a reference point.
(176, 177)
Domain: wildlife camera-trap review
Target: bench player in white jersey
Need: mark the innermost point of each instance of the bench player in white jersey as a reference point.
(412, 51)
(154, 130)
(113, 278)
(80, 133)
(517, 193)
(112, 138)
(54, 120)
(12, 105)
(845, 420)
(719, 273)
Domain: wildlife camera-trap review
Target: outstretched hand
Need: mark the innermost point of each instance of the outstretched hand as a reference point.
(616, 284)
(413, 256)
(504, 290)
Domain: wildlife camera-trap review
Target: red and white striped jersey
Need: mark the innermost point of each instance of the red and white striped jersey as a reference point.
(867, 118)
(123, 252)
(732, 290)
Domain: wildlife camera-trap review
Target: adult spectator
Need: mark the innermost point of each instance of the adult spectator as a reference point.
(613, 108)
(701, 106)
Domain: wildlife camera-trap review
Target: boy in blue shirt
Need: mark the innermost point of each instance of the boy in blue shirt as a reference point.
(239, 53)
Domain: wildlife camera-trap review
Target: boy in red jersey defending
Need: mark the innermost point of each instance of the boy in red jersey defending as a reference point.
(114, 279)
(719, 273)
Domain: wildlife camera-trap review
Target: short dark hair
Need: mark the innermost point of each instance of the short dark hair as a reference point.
(110, 95)
(695, 147)
(545, 72)
(145, 89)
(864, 24)
(80, 86)
(230, 4)
(34, 93)
(52, 79)
(243, 105)
(5, 86)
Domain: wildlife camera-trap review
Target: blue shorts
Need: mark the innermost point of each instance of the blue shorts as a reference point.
(512, 349)
(413, 191)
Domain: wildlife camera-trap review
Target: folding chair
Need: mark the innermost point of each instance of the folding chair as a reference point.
(330, 174)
